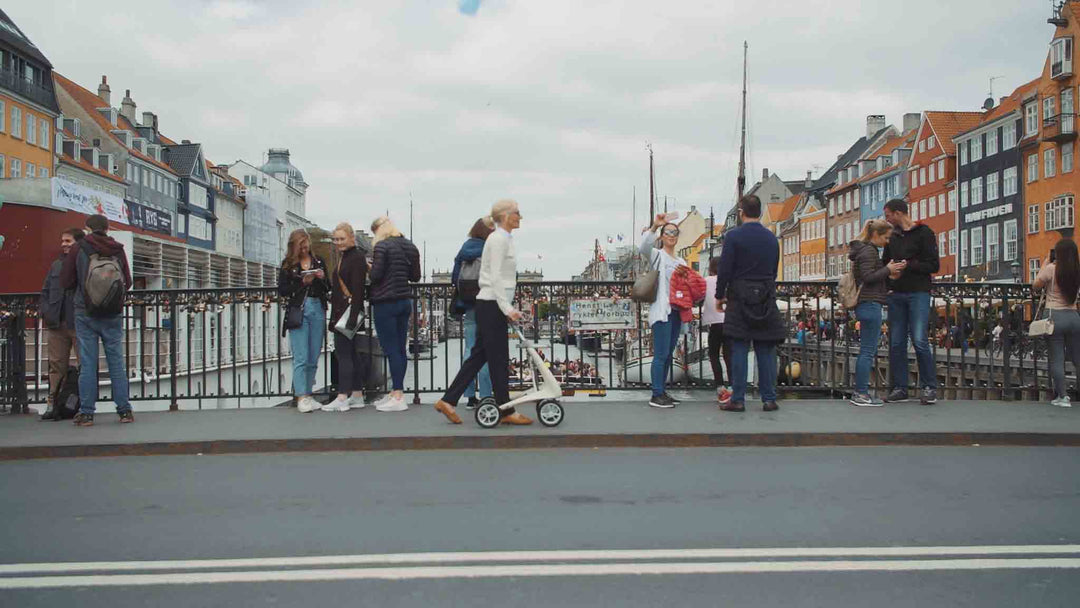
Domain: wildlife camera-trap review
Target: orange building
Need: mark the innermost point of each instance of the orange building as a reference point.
(1048, 145)
(786, 230)
(28, 108)
(932, 180)
(811, 241)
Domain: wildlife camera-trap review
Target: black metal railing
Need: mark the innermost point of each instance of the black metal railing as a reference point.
(224, 347)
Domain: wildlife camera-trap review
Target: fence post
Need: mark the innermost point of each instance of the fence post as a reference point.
(174, 405)
(417, 309)
(20, 401)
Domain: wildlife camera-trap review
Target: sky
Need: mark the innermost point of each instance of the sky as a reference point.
(459, 103)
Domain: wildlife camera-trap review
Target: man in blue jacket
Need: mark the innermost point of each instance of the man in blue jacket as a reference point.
(58, 314)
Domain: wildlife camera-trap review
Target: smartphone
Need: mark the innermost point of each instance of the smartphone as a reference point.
(1053, 258)
(303, 272)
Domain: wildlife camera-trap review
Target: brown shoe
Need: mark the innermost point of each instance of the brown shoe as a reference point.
(770, 406)
(447, 410)
(733, 406)
(516, 418)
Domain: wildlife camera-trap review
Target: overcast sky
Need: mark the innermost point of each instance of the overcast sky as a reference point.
(463, 102)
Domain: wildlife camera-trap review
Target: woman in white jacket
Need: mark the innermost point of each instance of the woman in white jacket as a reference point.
(663, 319)
(494, 306)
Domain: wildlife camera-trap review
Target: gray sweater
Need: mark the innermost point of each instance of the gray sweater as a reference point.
(870, 272)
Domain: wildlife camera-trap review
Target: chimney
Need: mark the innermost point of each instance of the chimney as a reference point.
(912, 121)
(1002, 100)
(874, 123)
(809, 179)
(127, 107)
(149, 119)
(765, 174)
(104, 92)
(185, 141)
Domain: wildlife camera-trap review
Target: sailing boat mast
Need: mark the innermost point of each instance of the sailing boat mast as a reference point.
(652, 187)
(741, 184)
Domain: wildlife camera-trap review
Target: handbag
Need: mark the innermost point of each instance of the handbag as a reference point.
(645, 287)
(294, 315)
(1042, 327)
(342, 326)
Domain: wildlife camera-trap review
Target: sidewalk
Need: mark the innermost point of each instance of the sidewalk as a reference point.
(595, 423)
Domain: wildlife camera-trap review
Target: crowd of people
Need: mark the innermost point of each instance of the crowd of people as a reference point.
(893, 261)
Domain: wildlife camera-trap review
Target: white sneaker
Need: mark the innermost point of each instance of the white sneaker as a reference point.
(385, 399)
(337, 405)
(357, 402)
(1062, 402)
(305, 405)
(393, 405)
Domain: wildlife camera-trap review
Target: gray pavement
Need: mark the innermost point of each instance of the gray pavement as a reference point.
(587, 423)
(303, 505)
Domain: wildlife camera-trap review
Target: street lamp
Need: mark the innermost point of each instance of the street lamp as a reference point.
(1015, 266)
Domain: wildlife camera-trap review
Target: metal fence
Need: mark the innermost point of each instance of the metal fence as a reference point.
(224, 347)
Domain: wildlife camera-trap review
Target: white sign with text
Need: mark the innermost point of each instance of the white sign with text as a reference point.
(601, 313)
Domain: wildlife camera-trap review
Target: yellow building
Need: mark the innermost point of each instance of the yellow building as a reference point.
(28, 108)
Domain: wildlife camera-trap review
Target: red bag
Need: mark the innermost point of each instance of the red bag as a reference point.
(687, 290)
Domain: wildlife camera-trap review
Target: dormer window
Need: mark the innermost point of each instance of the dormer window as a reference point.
(139, 144)
(1061, 58)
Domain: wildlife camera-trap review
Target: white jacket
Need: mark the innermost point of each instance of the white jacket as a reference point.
(498, 270)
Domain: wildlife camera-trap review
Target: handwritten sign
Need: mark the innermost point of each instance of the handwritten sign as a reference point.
(602, 313)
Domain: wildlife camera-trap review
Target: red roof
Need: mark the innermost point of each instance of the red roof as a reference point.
(946, 126)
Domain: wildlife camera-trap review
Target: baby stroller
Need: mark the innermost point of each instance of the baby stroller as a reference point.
(548, 410)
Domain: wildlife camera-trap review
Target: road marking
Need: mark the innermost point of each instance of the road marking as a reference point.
(530, 570)
(539, 556)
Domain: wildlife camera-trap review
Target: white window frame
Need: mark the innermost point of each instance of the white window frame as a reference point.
(964, 194)
(930, 142)
(963, 147)
(1008, 182)
(1031, 119)
(31, 129)
(1067, 157)
(1060, 213)
(943, 247)
(931, 174)
(16, 122)
(1049, 162)
(976, 191)
(16, 169)
(1034, 266)
(976, 148)
(3, 117)
(1033, 218)
(1048, 107)
(952, 200)
(964, 248)
(991, 142)
(1011, 240)
(1032, 167)
(993, 242)
(3, 166)
(952, 242)
(922, 209)
(43, 172)
(45, 140)
(1008, 136)
(976, 246)
(992, 191)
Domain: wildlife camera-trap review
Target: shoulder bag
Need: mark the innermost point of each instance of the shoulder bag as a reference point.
(342, 326)
(1043, 327)
(645, 287)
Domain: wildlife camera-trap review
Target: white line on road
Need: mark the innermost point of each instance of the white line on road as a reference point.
(540, 556)
(530, 570)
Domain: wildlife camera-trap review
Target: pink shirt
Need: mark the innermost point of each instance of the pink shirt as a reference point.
(709, 314)
(1045, 280)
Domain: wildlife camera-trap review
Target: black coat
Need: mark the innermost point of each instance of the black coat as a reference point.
(291, 283)
(57, 304)
(352, 271)
(395, 262)
(919, 247)
(747, 278)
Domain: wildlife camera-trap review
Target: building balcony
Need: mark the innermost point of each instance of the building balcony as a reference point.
(20, 86)
(1060, 128)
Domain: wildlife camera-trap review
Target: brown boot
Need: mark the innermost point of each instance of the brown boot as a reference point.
(516, 418)
(447, 410)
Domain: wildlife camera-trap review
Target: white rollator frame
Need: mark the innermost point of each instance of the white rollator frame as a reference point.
(548, 409)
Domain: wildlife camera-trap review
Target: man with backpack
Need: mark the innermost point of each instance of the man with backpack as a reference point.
(57, 309)
(97, 270)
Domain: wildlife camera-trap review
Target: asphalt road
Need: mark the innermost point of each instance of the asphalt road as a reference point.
(349, 517)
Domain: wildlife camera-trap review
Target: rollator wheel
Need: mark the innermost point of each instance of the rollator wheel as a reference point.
(490, 400)
(549, 412)
(488, 414)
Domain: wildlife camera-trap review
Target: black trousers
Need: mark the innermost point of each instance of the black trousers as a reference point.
(351, 365)
(493, 348)
(717, 342)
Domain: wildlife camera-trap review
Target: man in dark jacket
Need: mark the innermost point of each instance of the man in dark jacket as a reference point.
(746, 279)
(914, 246)
(90, 328)
(58, 314)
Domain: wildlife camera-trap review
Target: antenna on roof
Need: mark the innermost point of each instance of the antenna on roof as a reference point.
(989, 103)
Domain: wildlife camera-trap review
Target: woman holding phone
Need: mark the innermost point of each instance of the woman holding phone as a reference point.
(302, 280)
(663, 319)
(347, 295)
(1060, 279)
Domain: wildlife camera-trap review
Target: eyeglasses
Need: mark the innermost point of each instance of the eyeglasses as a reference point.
(671, 233)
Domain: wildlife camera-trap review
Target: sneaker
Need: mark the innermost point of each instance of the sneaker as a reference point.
(305, 405)
(723, 395)
(337, 405)
(662, 401)
(770, 406)
(127, 417)
(866, 401)
(393, 405)
(897, 395)
(929, 396)
(472, 403)
(385, 399)
(356, 403)
(82, 419)
(734, 406)
(1062, 402)
(673, 400)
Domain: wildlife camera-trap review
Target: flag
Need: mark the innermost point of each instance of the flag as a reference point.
(620, 237)
(610, 240)
(539, 256)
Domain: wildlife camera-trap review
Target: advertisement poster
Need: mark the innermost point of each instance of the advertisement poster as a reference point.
(84, 200)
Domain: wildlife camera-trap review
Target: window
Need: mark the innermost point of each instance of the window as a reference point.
(1033, 219)
(1033, 167)
(922, 176)
(1060, 57)
(930, 176)
(922, 208)
(31, 170)
(993, 243)
(963, 248)
(832, 207)
(1010, 240)
(181, 223)
(1049, 163)
(44, 126)
(16, 169)
(942, 246)
(1048, 108)
(1008, 136)
(941, 204)
(1031, 119)
(952, 242)
(964, 194)
(3, 119)
(976, 148)
(914, 208)
(1008, 185)
(855, 196)
(128, 169)
(16, 122)
(992, 187)
(930, 142)
(941, 169)
(43, 172)
(991, 142)
(977, 191)
(963, 152)
(31, 129)
(2, 165)
(976, 246)
(847, 201)
(1067, 158)
(1033, 269)
(922, 146)
(1059, 213)
(952, 200)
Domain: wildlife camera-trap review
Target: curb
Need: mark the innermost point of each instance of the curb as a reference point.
(532, 442)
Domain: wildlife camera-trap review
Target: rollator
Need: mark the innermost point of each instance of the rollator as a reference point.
(545, 394)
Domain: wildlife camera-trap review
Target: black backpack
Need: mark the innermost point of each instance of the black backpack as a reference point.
(66, 404)
(468, 285)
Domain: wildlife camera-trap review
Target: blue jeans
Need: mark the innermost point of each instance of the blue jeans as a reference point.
(484, 377)
(307, 345)
(110, 330)
(766, 365)
(909, 315)
(665, 339)
(869, 317)
(392, 327)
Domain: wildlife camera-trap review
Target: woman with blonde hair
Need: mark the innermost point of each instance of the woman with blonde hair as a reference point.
(302, 280)
(395, 262)
(870, 276)
(347, 293)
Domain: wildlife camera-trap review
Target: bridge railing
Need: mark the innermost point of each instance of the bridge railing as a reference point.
(224, 347)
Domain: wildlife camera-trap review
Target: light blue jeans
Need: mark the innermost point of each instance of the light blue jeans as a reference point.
(665, 339)
(110, 330)
(909, 315)
(307, 345)
(484, 377)
(869, 316)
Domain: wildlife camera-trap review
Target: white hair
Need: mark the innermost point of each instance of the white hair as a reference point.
(501, 208)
